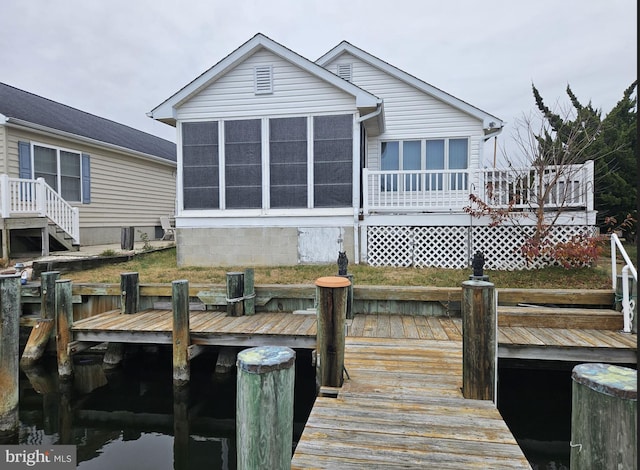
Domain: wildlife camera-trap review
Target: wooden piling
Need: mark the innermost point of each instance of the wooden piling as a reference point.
(129, 303)
(235, 287)
(48, 293)
(129, 292)
(604, 415)
(479, 340)
(181, 337)
(43, 330)
(9, 354)
(264, 408)
(64, 321)
(248, 292)
(332, 296)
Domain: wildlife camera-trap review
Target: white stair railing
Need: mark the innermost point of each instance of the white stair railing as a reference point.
(628, 304)
(28, 196)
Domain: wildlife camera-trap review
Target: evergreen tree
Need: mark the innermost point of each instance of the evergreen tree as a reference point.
(613, 148)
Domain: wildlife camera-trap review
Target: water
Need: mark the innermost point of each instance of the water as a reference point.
(133, 418)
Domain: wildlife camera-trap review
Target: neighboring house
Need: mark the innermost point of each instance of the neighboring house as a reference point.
(283, 161)
(70, 178)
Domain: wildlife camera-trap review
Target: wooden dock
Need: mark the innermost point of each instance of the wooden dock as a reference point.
(402, 407)
(299, 331)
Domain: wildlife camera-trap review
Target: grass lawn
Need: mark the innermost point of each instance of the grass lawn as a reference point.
(160, 267)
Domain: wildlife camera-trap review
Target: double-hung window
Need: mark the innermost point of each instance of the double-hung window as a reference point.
(61, 169)
(411, 165)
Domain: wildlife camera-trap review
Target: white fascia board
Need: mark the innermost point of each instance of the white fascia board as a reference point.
(3, 118)
(167, 109)
(48, 131)
(411, 80)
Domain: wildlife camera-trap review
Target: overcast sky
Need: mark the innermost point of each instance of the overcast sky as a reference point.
(119, 59)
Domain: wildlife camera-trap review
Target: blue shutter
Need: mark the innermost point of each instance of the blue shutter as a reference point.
(24, 160)
(86, 179)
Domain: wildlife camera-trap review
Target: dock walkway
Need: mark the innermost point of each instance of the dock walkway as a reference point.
(402, 407)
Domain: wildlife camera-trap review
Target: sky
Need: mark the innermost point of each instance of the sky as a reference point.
(119, 59)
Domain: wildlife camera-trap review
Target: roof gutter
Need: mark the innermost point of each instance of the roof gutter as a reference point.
(492, 131)
(19, 123)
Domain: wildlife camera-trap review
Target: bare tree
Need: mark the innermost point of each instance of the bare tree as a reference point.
(554, 176)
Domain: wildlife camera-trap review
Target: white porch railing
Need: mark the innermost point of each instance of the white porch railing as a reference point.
(36, 197)
(570, 186)
(628, 304)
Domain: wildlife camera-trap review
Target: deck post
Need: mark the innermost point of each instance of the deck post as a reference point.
(181, 337)
(42, 331)
(129, 303)
(331, 296)
(249, 293)
(129, 292)
(235, 286)
(264, 407)
(479, 340)
(604, 415)
(64, 322)
(9, 354)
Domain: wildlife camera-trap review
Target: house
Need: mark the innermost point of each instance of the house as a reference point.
(282, 160)
(68, 177)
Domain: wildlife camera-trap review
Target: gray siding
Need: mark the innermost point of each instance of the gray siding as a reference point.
(126, 190)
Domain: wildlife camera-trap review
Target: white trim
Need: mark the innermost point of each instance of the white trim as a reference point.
(310, 186)
(259, 220)
(179, 173)
(58, 149)
(265, 160)
(48, 131)
(451, 100)
(222, 190)
(166, 111)
(3, 118)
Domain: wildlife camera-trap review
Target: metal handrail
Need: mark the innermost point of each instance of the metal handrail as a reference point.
(628, 304)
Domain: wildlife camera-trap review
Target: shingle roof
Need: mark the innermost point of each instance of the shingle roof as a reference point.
(20, 104)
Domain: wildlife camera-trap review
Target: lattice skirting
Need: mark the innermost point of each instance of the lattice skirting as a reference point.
(453, 247)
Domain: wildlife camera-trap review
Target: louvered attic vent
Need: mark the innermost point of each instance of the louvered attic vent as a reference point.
(344, 71)
(264, 79)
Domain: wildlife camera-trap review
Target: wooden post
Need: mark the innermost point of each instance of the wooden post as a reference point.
(264, 408)
(9, 354)
(331, 295)
(64, 321)
(48, 293)
(479, 343)
(42, 331)
(604, 413)
(181, 337)
(129, 303)
(349, 296)
(130, 292)
(249, 293)
(235, 286)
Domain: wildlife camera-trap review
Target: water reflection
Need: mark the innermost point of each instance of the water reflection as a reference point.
(133, 417)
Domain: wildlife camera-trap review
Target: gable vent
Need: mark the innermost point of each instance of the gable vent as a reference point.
(264, 79)
(344, 71)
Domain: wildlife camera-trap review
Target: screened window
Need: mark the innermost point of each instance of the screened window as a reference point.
(243, 164)
(333, 161)
(200, 169)
(288, 162)
(61, 169)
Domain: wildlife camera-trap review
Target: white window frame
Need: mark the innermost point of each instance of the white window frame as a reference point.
(58, 166)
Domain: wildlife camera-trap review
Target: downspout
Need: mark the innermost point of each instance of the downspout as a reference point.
(356, 222)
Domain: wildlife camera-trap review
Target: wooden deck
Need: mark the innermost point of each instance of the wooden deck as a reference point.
(402, 407)
(299, 331)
